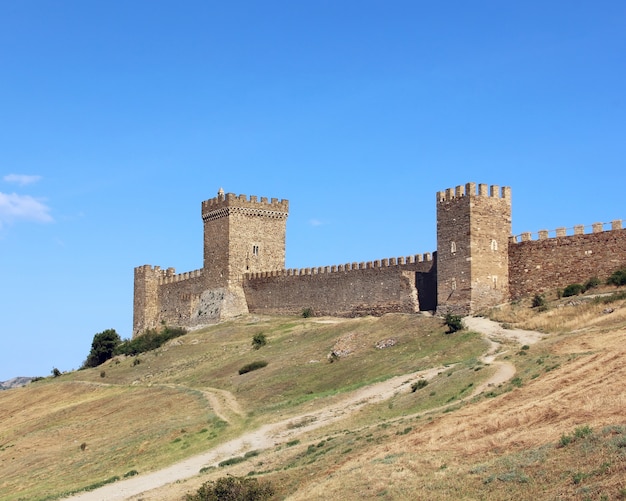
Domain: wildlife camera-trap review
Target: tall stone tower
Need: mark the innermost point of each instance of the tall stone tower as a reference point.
(241, 236)
(473, 230)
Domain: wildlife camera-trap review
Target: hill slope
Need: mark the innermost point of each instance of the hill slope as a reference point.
(554, 430)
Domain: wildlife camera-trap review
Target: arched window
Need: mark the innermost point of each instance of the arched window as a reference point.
(494, 245)
(453, 284)
(453, 247)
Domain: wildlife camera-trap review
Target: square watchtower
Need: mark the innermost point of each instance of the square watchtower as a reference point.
(242, 235)
(473, 230)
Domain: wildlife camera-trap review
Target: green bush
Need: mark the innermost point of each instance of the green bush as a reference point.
(252, 366)
(103, 348)
(617, 278)
(151, 339)
(307, 312)
(259, 340)
(55, 372)
(231, 461)
(453, 322)
(573, 290)
(579, 433)
(419, 384)
(539, 301)
(592, 283)
(233, 489)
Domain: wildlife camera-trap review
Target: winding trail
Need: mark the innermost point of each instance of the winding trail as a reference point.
(223, 403)
(494, 333)
(269, 435)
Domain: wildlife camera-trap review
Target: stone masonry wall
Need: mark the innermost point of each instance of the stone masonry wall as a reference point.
(476, 265)
(242, 235)
(145, 302)
(346, 290)
(473, 228)
(490, 232)
(179, 300)
(548, 263)
(453, 252)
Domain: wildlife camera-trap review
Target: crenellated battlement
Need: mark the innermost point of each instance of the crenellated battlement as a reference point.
(149, 269)
(166, 276)
(171, 277)
(342, 268)
(579, 229)
(225, 204)
(469, 190)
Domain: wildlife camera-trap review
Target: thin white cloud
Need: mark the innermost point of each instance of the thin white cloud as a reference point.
(21, 179)
(315, 222)
(14, 207)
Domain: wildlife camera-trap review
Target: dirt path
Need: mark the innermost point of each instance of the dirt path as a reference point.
(494, 330)
(495, 333)
(225, 405)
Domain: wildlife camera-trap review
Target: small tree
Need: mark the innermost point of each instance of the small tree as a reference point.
(55, 372)
(454, 323)
(102, 347)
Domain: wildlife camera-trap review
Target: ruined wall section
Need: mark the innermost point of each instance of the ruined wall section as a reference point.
(349, 290)
(162, 296)
(145, 298)
(179, 300)
(536, 266)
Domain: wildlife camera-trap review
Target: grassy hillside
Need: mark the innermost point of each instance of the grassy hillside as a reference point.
(556, 430)
(135, 414)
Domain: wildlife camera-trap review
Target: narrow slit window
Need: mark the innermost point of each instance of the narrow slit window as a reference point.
(452, 247)
(255, 250)
(494, 245)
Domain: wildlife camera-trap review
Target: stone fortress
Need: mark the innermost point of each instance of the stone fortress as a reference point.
(478, 264)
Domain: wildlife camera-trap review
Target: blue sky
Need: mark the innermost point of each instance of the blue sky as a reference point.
(118, 118)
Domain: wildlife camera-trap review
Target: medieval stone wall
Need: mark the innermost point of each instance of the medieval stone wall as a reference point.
(179, 301)
(536, 266)
(354, 289)
(477, 265)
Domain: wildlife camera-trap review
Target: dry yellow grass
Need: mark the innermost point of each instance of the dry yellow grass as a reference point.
(67, 433)
(56, 434)
(422, 445)
(501, 448)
